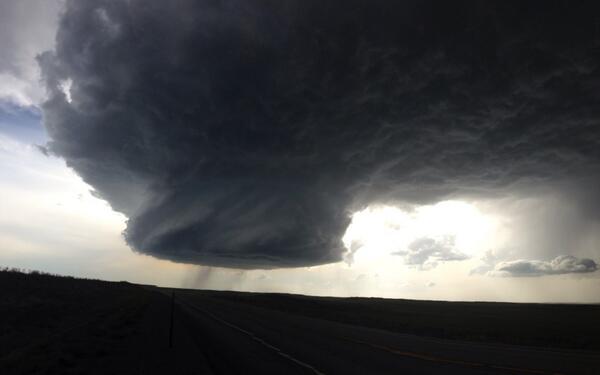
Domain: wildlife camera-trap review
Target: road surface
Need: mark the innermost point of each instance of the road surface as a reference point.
(236, 338)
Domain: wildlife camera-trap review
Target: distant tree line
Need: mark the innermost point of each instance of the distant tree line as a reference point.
(29, 272)
(26, 271)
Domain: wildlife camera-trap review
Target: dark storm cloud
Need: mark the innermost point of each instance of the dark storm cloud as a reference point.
(560, 265)
(426, 252)
(243, 133)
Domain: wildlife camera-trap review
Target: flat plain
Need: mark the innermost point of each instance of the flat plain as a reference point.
(63, 325)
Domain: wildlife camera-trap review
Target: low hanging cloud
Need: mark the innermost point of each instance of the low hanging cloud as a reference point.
(244, 133)
(427, 252)
(560, 265)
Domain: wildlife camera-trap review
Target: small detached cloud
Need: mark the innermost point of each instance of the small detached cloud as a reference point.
(426, 252)
(563, 264)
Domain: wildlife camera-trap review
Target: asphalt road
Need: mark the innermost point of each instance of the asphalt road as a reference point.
(236, 338)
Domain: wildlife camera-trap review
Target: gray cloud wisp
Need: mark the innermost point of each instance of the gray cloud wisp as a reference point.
(560, 265)
(426, 252)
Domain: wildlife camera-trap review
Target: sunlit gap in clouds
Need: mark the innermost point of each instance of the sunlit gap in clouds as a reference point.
(383, 230)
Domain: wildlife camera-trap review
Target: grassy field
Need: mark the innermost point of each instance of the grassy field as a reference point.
(51, 324)
(62, 325)
(548, 325)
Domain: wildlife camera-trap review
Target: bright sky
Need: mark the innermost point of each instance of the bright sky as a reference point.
(452, 250)
(50, 221)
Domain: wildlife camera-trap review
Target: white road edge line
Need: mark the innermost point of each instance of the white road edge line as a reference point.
(255, 338)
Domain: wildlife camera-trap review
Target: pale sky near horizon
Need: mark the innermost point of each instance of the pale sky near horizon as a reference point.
(534, 237)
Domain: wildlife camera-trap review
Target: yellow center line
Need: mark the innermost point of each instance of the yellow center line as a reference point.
(431, 358)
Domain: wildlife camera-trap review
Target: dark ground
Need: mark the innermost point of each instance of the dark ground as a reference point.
(59, 325)
(62, 325)
(546, 325)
